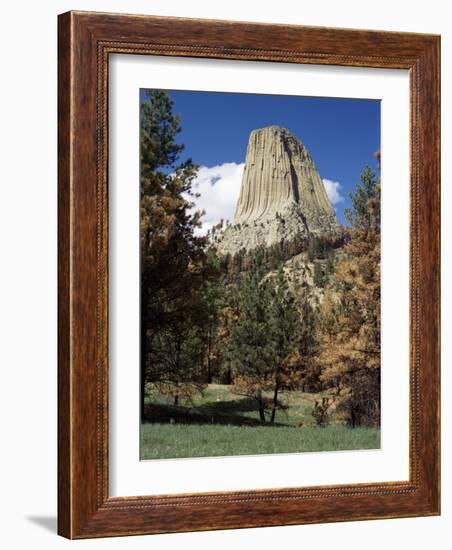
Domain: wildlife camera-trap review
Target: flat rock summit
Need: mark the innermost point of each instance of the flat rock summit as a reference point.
(282, 196)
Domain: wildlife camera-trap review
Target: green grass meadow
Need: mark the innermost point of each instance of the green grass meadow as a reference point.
(219, 423)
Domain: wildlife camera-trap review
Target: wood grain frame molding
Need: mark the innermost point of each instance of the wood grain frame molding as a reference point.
(86, 40)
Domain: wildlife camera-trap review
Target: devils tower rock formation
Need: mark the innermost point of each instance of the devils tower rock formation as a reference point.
(282, 195)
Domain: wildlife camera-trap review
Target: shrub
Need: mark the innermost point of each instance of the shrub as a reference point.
(320, 412)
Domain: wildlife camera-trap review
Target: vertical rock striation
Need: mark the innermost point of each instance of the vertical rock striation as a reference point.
(282, 195)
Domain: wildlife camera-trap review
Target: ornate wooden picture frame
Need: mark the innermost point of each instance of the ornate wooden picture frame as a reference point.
(86, 40)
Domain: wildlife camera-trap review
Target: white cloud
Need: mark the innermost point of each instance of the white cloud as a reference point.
(332, 189)
(219, 189)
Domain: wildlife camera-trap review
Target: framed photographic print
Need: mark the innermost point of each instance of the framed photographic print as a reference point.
(248, 275)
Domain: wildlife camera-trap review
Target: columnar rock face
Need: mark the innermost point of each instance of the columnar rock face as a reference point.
(279, 172)
(282, 195)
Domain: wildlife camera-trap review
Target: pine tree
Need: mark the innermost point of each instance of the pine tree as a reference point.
(250, 348)
(350, 315)
(263, 336)
(303, 359)
(177, 353)
(365, 211)
(172, 257)
(284, 323)
(319, 279)
(214, 302)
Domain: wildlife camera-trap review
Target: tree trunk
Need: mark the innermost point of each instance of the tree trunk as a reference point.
(144, 322)
(209, 373)
(209, 366)
(143, 353)
(261, 409)
(275, 404)
(229, 378)
(176, 400)
(353, 417)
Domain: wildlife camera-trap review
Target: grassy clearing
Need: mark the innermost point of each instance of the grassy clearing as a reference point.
(220, 423)
(195, 440)
(219, 405)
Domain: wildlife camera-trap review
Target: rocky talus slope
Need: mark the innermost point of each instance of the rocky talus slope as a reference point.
(282, 196)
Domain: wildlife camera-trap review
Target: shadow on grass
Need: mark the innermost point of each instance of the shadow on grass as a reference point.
(232, 407)
(221, 412)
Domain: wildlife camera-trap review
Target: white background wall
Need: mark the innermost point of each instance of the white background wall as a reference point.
(28, 233)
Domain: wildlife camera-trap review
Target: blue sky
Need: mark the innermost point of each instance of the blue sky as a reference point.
(342, 136)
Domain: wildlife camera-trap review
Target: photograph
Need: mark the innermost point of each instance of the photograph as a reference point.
(259, 274)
